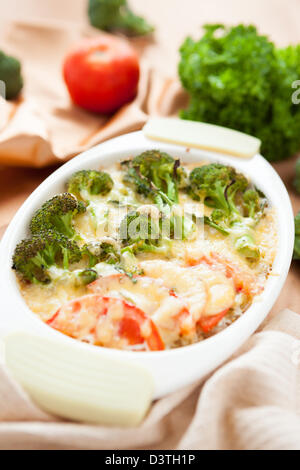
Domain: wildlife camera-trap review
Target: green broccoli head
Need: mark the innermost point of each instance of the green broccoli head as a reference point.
(157, 175)
(297, 237)
(253, 203)
(85, 277)
(159, 168)
(237, 207)
(106, 251)
(91, 181)
(210, 183)
(10, 74)
(112, 15)
(297, 176)
(57, 214)
(34, 256)
(136, 227)
(236, 78)
(137, 181)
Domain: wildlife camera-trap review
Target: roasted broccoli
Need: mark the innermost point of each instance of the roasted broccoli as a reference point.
(297, 177)
(297, 237)
(210, 182)
(237, 208)
(145, 233)
(57, 214)
(10, 74)
(78, 278)
(34, 256)
(112, 15)
(89, 182)
(103, 251)
(156, 175)
(140, 231)
(129, 263)
(86, 276)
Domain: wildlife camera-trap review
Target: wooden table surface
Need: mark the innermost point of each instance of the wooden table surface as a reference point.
(174, 19)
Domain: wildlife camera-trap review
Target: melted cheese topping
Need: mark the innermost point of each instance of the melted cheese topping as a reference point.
(200, 279)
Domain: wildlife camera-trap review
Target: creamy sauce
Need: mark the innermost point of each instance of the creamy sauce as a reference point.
(198, 280)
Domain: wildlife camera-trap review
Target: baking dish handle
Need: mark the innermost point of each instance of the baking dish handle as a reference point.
(78, 382)
(203, 136)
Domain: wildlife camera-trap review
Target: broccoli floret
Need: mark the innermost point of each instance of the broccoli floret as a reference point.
(139, 231)
(112, 15)
(237, 78)
(161, 169)
(57, 214)
(138, 182)
(253, 203)
(297, 177)
(210, 182)
(297, 237)
(84, 277)
(129, 263)
(91, 181)
(237, 207)
(104, 251)
(156, 175)
(143, 233)
(76, 278)
(10, 74)
(34, 256)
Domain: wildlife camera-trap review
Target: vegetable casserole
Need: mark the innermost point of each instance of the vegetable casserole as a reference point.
(149, 254)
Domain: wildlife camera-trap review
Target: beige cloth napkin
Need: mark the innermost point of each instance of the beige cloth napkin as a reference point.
(43, 127)
(251, 402)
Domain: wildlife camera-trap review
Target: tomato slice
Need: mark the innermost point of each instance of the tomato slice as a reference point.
(135, 323)
(243, 280)
(207, 323)
(108, 322)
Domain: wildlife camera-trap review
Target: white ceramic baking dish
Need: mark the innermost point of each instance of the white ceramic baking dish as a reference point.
(175, 368)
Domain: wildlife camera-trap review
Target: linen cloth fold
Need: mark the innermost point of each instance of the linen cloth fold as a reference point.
(251, 402)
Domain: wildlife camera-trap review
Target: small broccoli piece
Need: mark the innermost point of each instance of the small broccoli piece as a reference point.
(57, 214)
(138, 182)
(91, 181)
(239, 229)
(156, 175)
(85, 277)
(237, 208)
(128, 263)
(182, 177)
(10, 74)
(34, 256)
(253, 203)
(297, 237)
(209, 183)
(112, 15)
(76, 278)
(140, 231)
(106, 251)
(160, 169)
(297, 176)
(143, 233)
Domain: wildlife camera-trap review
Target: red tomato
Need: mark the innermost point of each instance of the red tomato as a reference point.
(83, 319)
(207, 323)
(102, 73)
